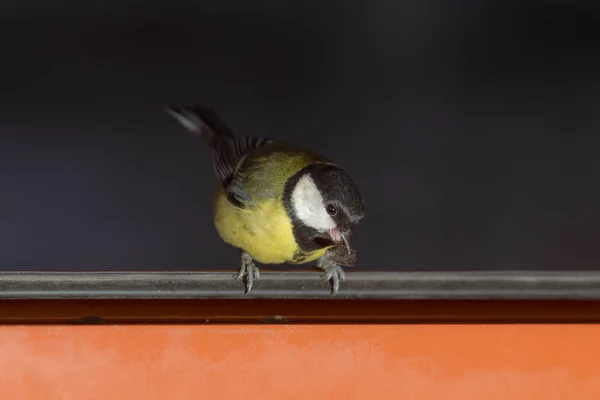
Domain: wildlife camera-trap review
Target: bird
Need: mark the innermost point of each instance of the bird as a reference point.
(275, 201)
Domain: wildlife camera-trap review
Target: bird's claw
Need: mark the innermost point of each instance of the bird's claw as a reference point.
(248, 270)
(333, 273)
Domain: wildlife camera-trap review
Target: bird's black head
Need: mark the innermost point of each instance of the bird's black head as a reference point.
(325, 206)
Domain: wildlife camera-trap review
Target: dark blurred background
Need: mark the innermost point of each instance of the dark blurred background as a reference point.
(472, 127)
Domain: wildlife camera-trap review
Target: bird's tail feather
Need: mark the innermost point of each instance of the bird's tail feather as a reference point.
(202, 121)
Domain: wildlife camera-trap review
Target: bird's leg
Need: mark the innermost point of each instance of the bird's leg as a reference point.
(249, 270)
(333, 272)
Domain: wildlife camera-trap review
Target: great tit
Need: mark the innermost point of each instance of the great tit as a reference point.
(276, 202)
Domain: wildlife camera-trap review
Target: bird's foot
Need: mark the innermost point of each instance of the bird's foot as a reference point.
(248, 270)
(333, 273)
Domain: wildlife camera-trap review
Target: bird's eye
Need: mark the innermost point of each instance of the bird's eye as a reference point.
(331, 209)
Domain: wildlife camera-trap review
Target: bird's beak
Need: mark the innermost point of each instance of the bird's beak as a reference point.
(339, 238)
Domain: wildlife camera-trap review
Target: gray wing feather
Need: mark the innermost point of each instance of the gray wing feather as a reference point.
(228, 150)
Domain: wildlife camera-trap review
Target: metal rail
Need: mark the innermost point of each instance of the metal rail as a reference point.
(468, 285)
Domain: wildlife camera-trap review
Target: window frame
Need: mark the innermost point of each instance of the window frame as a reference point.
(300, 297)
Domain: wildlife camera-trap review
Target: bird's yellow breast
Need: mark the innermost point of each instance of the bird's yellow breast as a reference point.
(263, 230)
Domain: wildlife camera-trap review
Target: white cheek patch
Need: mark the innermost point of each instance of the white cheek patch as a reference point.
(309, 206)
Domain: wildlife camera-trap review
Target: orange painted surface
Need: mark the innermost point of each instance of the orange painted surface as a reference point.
(441, 362)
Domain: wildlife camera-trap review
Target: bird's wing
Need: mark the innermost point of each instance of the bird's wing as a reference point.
(229, 151)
